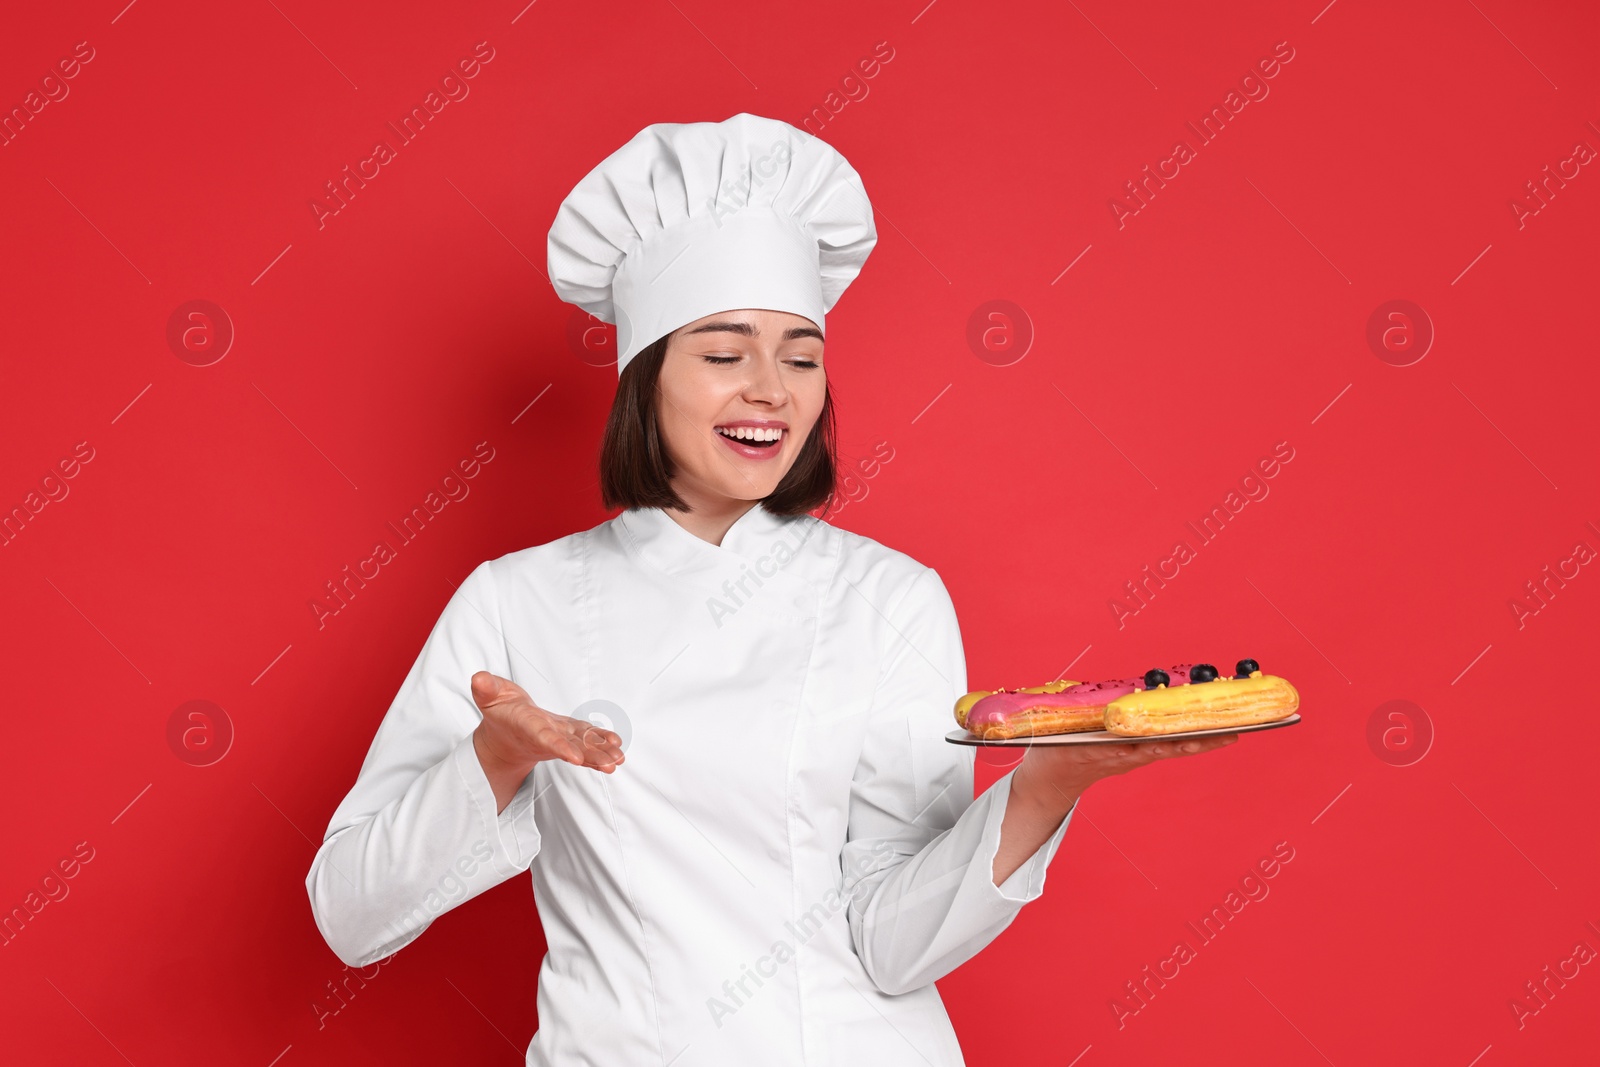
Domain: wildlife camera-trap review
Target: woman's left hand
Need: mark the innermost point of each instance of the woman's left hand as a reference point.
(1054, 776)
(1051, 778)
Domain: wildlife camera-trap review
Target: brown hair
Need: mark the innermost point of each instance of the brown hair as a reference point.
(636, 472)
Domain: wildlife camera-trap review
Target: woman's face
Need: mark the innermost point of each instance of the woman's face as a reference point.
(737, 396)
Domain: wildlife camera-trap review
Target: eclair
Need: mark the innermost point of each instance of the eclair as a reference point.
(965, 704)
(1056, 708)
(1206, 703)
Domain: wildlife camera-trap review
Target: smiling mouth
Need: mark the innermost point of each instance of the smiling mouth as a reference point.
(753, 436)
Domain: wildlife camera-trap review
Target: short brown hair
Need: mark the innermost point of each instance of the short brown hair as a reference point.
(636, 472)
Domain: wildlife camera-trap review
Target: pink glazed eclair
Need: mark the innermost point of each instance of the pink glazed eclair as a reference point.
(1057, 708)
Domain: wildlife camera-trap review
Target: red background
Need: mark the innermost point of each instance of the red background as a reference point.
(1228, 315)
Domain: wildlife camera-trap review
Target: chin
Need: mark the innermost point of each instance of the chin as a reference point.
(750, 482)
(747, 491)
(752, 485)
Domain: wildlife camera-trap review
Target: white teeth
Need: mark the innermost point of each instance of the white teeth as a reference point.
(751, 433)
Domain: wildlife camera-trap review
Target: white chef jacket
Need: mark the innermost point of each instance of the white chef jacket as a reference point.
(791, 854)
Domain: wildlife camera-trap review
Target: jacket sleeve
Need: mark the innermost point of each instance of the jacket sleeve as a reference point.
(919, 860)
(418, 834)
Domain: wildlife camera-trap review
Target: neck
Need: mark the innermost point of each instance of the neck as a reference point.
(711, 517)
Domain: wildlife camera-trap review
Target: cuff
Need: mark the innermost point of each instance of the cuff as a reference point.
(1026, 883)
(512, 834)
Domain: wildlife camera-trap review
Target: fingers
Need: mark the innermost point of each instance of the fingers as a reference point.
(1136, 753)
(600, 748)
(1168, 749)
(603, 757)
(485, 688)
(491, 689)
(597, 736)
(600, 737)
(1083, 765)
(549, 737)
(531, 733)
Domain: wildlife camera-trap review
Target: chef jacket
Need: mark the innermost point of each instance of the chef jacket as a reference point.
(789, 857)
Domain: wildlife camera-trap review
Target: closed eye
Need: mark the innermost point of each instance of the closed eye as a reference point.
(803, 364)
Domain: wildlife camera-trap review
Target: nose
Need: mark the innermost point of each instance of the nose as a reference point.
(765, 384)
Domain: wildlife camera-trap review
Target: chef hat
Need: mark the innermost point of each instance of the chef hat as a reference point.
(688, 219)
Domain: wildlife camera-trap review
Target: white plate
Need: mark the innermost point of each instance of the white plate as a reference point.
(1102, 737)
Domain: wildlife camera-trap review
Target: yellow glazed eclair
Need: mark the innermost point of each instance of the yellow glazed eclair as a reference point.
(1208, 705)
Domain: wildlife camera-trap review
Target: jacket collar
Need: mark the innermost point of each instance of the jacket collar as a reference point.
(757, 535)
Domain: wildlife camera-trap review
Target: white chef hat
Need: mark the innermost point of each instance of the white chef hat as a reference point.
(688, 219)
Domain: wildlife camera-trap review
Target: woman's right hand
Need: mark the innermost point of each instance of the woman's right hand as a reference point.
(516, 733)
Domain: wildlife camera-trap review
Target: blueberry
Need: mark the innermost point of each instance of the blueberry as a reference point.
(1246, 667)
(1202, 672)
(1153, 678)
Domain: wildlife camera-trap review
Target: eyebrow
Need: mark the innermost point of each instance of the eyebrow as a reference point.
(744, 329)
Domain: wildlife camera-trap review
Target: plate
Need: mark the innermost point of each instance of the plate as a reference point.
(1102, 737)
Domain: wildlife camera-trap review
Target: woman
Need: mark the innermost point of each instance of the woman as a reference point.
(713, 726)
